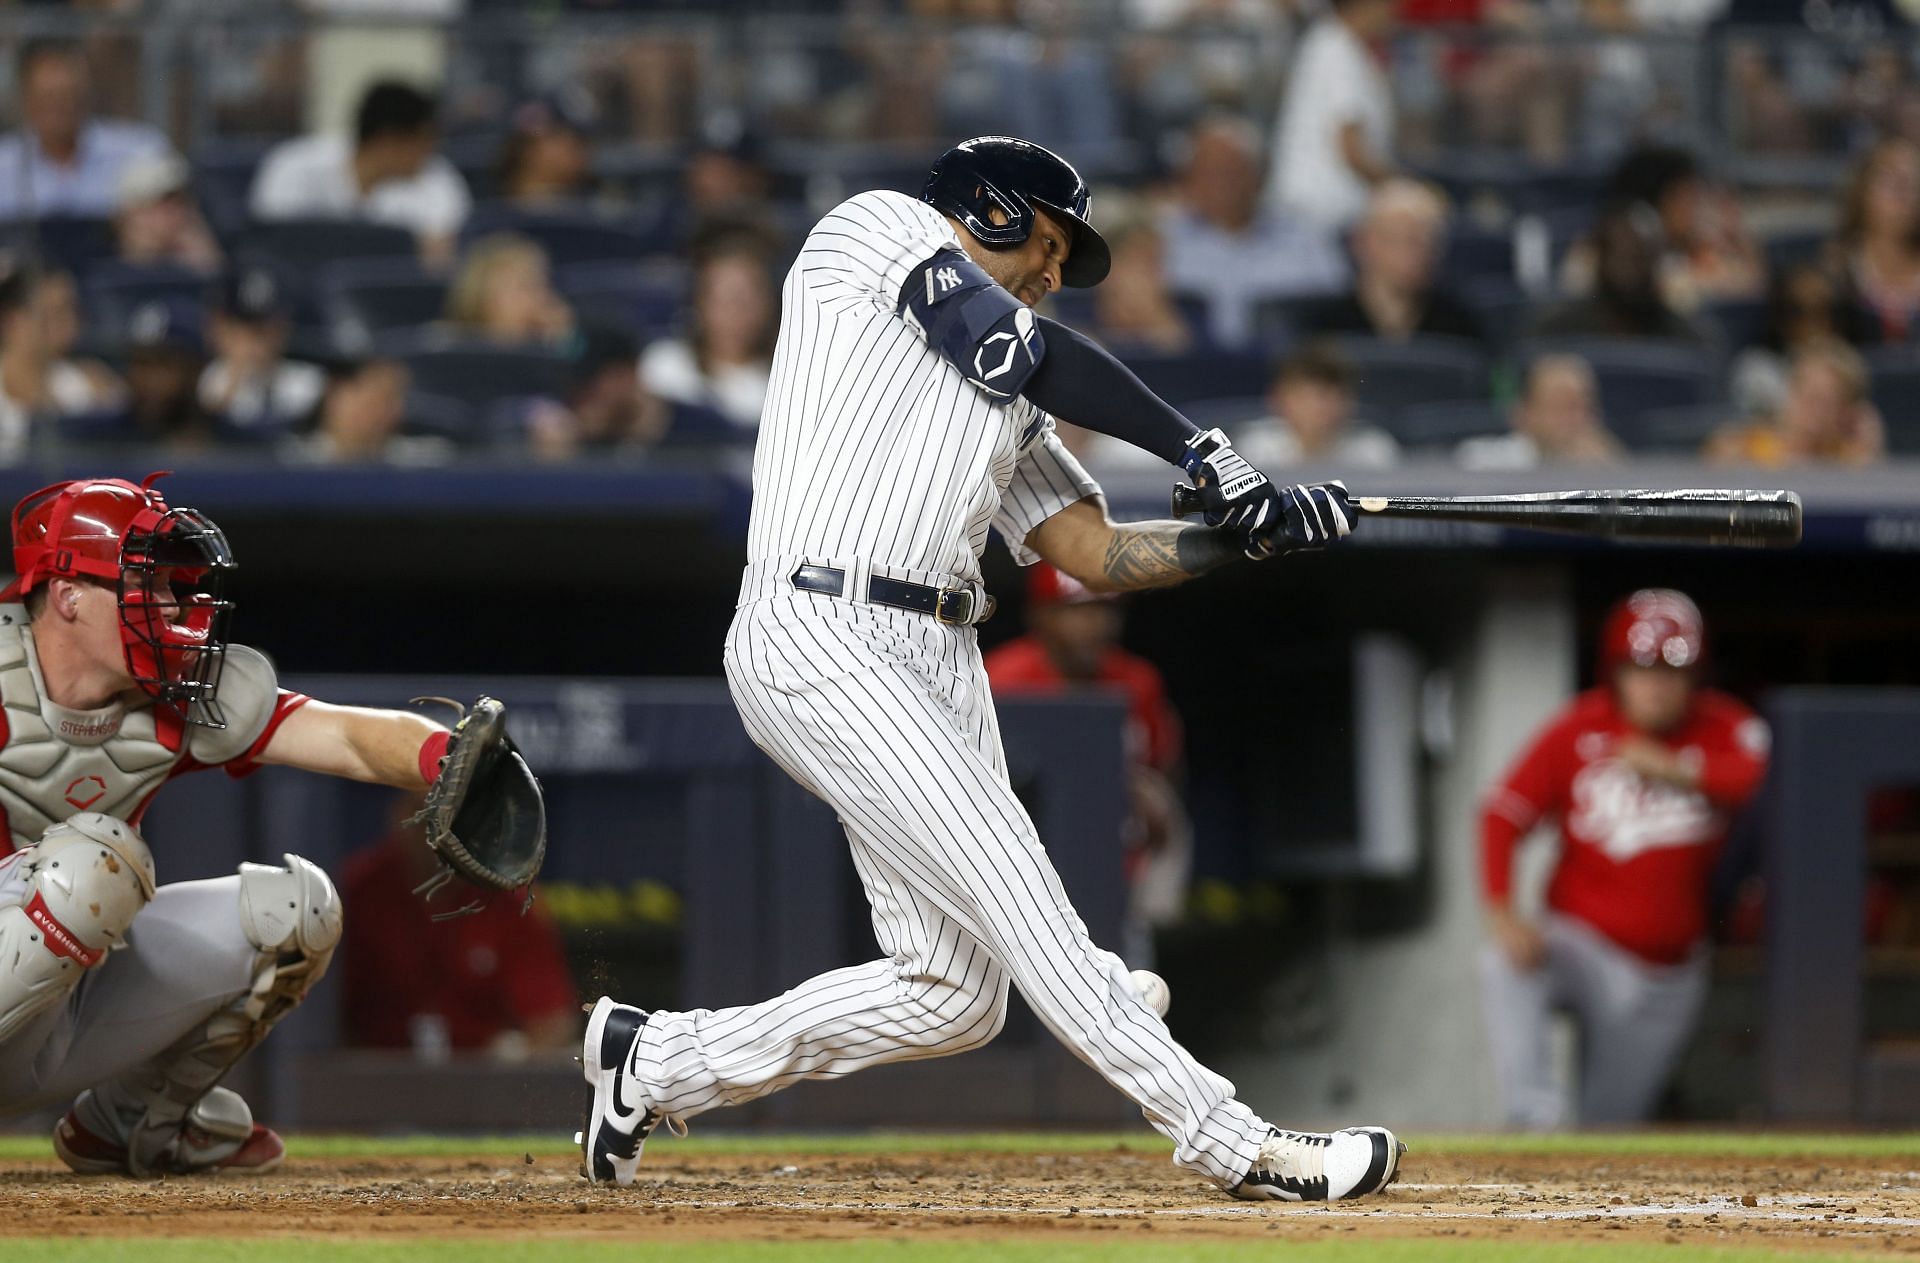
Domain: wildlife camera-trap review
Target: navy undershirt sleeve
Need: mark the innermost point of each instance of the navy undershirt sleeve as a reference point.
(1080, 383)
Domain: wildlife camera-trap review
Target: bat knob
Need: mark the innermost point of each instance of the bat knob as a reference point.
(1187, 501)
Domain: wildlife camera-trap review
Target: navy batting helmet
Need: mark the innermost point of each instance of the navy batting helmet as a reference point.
(1015, 175)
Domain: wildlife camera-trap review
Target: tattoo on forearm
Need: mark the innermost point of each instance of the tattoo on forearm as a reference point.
(1157, 554)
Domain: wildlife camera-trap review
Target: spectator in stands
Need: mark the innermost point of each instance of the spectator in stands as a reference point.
(1396, 251)
(724, 360)
(604, 408)
(165, 357)
(386, 172)
(1643, 774)
(39, 379)
(1626, 301)
(726, 186)
(1072, 645)
(1556, 421)
(1804, 305)
(359, 419)
(1310, 418)
(1706, 252)
(251, 387)
(547, 157)
(158, 224)
(1132, 309)
(1828, 416)
(1335, 135)
(1878, 246)
(1224, 247)
(494, 981)
(63, 161)
(504, 294)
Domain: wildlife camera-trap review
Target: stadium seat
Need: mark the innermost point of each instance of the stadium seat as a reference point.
(223, 172)
(1741, 322)
(1638, 376)
(1675, 431)
(576, 235)
(1390, 376)
(1896, 392)
(1799, 245)
(72, 242)
(112, 292)
(1181, 379)
(648, 298)
(1426, 425)
(1475, 253)
(443, 416)
(480, 373)
(307, 245)
(690, 425)
(379, 295)
(1502, 305)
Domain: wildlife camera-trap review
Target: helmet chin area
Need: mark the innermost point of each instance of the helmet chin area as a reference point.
(174, 611)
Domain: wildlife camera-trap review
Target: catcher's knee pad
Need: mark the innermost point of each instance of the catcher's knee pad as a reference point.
(86, 879)
(293, 916)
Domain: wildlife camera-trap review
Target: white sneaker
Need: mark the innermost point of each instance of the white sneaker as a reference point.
(1314, 1166)
(615, 1132)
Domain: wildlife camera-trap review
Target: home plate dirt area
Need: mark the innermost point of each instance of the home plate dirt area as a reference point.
(1732, 1192)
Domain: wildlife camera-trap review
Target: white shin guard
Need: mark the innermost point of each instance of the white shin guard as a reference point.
(293, 916)
(86, 879)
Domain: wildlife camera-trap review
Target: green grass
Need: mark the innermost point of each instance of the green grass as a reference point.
(1755, 1144)
(1115, 1246)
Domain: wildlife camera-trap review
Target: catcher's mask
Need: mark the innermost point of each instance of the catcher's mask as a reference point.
(169, 566)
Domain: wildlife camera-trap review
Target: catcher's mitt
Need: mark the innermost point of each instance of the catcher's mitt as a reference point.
(484, 816)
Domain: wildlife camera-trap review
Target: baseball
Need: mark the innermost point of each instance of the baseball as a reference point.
(1154, 990)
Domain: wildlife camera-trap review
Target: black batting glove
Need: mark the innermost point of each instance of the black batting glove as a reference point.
(1234, 495)
(1313, 515)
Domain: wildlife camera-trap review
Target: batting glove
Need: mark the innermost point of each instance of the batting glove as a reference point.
(1313, 515)
(1234, 495)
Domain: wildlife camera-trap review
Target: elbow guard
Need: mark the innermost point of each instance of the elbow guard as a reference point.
(973, 323)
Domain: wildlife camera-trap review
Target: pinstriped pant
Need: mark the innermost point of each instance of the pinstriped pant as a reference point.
(886, 716)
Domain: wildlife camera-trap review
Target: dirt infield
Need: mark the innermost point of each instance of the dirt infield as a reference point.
(1849, 1205)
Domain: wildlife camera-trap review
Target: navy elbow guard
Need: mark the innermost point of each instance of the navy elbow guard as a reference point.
(973, 323)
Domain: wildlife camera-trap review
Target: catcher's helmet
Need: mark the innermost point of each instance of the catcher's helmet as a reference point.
(976, 175)
(1654, 627)
(169, 566)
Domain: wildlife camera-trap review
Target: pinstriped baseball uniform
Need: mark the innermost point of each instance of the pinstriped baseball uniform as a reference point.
(876, 457)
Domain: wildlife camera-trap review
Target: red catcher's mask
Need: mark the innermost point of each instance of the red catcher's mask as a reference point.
(169, 567)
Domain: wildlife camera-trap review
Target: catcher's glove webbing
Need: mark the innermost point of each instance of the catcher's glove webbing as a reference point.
(484, 816)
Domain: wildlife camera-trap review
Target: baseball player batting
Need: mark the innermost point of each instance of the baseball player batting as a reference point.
(911, 408)
(131, 998)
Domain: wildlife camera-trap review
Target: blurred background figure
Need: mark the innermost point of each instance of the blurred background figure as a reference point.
(604, 409)
(494, 982)
(1223, 247)
(158, 224)
(1626, 300)
(359, 419)
(166, 354)
(1556, 421)
(723, 360)
(1805, 305)
(1826, 416)
(1133, 310)
(388, 172)
(1072, 643)
(504, 293)
(64, 161)
(40, 381)
(1878, 245)
(251, 387)
(547, 157)
(1396, 252)
(1334, 140)
(1311, 417)
(1643, 775)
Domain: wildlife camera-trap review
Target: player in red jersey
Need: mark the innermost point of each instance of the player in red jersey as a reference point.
(1644, 774)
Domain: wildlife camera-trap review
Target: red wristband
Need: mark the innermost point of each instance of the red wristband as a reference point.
(432, 750)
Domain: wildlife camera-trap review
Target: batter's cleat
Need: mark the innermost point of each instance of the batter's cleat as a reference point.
(616, 1131)
(1313, 1166)
(198, 1149)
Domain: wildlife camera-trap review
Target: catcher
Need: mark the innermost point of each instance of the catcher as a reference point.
(133, 998)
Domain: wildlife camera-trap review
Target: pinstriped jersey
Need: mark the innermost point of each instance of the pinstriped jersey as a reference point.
(871, 444)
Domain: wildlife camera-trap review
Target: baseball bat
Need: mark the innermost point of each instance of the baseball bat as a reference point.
(1747, 519)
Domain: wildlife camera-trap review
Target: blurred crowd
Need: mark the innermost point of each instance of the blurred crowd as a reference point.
(1348, 231)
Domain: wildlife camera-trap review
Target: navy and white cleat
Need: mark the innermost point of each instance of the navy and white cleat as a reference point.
(615, 1132)
(1312, 1166)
